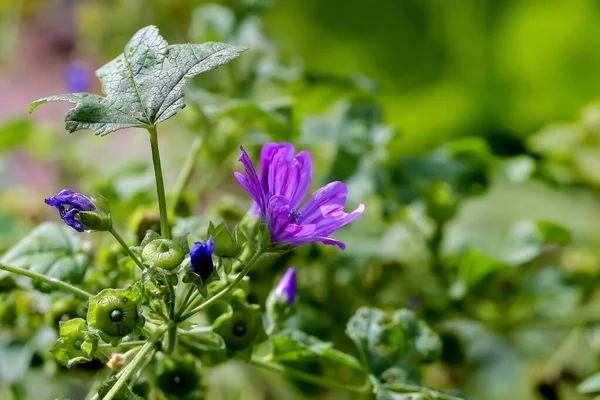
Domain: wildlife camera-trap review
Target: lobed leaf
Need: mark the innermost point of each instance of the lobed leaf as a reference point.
(143, 86)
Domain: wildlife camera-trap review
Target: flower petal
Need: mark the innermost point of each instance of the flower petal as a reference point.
(250, 181)
(329, 199)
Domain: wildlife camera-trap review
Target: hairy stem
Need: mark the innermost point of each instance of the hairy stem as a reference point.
(247, 268)
(139, 359)
(126, 248)
(187, 170)
(305, 376)
(160, 184)
(64, 286)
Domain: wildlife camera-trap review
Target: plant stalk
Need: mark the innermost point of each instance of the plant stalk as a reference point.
(160, 184)
(138, 360)
(126, 248)
(64, 286)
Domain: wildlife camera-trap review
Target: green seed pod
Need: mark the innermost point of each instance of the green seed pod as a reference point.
(115, 313)
(241, 326)
(178, 377)
(163, 253)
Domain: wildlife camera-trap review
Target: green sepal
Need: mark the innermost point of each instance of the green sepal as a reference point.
(149, 237)
(75, 343)
(226, 244)
(95, 220)
(178, 377)
(241, 326)
(126, 303)
(294, 345)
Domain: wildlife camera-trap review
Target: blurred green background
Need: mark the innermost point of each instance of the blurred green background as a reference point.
(515, 79)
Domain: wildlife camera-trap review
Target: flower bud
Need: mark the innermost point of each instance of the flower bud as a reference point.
(117, 361)
(163, 253)
(281, 299)
(79, 211)
(201, 258)
(287, 286)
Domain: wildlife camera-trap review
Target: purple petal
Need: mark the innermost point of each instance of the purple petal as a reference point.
(68, 197)
(284, 174)
(329, 199)
(250, 181)
(69, 218)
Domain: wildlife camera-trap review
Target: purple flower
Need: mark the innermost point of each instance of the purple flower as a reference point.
(78, 77)
(286, 288)
(201, 258)
(282, 186)
(69, 204)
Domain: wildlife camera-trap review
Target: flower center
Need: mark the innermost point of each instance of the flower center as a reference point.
(294, 217)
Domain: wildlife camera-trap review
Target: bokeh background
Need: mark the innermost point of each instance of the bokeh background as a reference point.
(468, 128)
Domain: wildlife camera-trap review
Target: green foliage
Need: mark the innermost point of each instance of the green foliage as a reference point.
(296, 346)
(50, 249)
(144, 85)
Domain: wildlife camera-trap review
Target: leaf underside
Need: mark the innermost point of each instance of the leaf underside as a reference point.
(143, 86)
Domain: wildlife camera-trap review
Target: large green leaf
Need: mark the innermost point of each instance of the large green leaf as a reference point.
(52, 249)
(386, 340)
(144, 85)
(296, 345)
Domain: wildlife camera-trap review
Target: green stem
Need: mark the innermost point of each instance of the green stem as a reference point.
(305, 376)
(171, 340)
(185, 297)
(247, 268)
(139, 358)
(64, 286)
(187, 170)
(160, 184)
(126, 248)
(133, 343)
(405, 388)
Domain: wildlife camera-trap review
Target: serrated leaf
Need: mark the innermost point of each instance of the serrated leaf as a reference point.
(51, 249)
(298, 346)
(143, 86)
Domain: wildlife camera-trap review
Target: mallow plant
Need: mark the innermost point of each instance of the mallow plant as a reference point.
(186, 307)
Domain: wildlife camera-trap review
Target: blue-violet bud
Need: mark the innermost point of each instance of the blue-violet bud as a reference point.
(78, 77)
(69, 204)
(286, 288)
(201, 258)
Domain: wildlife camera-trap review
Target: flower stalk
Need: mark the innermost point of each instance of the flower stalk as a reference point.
(160, 184)
(139, 359)
(64, 286)
(123, 244)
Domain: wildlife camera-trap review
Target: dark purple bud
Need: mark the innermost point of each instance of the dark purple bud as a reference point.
(286, 288)
(69, 204)
(201, 258)
(78, 77)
